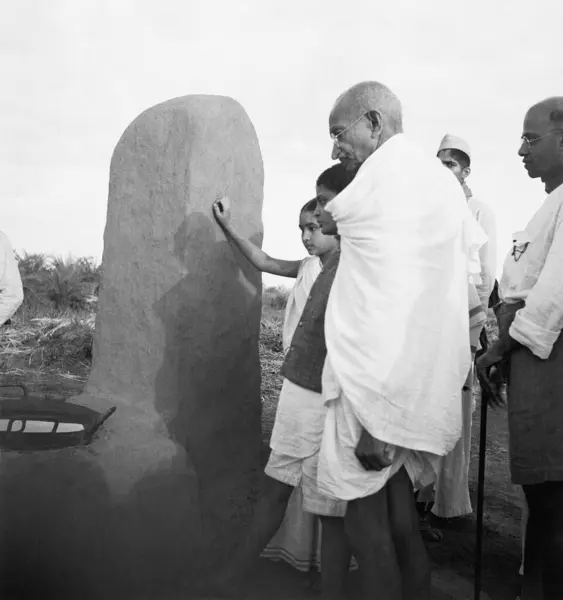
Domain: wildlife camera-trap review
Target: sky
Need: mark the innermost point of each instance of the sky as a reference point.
(75, 73)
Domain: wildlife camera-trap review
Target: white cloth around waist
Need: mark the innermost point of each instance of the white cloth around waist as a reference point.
(406, 244)
(299, 423)
(340, 474)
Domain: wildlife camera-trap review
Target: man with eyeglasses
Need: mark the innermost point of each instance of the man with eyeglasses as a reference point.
(397, 354)
(454, 153)
(530, 351)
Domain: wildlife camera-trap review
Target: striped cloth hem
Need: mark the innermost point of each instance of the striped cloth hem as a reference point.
(313, 563)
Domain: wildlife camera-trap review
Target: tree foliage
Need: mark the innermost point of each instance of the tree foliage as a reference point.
(58, 283)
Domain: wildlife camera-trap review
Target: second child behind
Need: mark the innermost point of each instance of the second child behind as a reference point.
(297, 434)
(296, 540)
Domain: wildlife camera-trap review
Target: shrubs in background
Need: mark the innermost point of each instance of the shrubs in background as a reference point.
(55, 324)
(53, 284)
(275, 297)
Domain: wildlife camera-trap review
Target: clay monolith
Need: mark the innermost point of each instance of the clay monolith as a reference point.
(160, 496)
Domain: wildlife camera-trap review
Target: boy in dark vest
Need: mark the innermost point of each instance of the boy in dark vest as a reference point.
(298, 430)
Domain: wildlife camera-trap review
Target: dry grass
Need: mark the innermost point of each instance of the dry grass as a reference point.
(36, 349)
(271, 356)
(48, 341)
(46, 351)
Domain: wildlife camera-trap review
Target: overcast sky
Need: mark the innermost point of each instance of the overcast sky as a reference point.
(75, 73)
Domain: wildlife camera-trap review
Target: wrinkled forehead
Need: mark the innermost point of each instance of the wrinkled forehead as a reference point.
(342, 115)
(446, 156)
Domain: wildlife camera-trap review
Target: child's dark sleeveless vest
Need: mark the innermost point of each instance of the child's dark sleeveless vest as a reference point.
(304, 361)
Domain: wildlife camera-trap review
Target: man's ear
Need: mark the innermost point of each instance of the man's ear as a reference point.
(466, 172)
(374, 117)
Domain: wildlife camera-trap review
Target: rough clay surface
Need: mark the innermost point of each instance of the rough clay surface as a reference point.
(161, 494)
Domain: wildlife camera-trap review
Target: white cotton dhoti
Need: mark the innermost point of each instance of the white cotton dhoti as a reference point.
(451, 495)
(340, 474)
(398, 363)
(295, 443)
(297, 541)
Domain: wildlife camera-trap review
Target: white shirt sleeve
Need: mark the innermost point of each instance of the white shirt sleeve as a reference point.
(487, 253)
(475, 237)
(11, 288)
(538, 325)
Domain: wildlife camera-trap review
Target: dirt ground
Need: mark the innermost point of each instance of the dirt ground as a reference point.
(453, 557)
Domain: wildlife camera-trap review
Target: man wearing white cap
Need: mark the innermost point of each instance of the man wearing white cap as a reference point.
(451, 492)
(454, 153)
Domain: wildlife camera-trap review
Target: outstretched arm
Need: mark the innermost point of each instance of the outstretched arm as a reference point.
(255, 255)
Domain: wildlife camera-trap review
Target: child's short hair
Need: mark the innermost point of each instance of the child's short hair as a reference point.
(337, 177)
(310, 206)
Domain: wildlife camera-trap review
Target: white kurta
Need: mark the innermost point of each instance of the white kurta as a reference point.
(485, 216)
(532, 272)
(396, 364)
(308, 273)
(451, 498)
(297, 540)
(300, 413)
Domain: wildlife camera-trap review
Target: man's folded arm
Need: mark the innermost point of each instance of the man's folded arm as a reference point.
(538, 325)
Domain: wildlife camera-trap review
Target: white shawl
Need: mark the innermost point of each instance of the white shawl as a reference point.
(397, 327)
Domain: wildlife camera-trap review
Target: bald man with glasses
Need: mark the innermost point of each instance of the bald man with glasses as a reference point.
(395, 364)
(530, 351)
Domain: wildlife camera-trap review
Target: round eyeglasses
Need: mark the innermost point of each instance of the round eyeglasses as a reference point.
(529, 142)
(334, 137)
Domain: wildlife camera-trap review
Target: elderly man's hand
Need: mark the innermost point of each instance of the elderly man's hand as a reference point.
(374, 455)
(490, 377)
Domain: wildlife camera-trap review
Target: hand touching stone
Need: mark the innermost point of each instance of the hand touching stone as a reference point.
(222, 210)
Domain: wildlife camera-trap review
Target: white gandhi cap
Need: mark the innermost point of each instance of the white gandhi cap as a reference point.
(452, 142)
